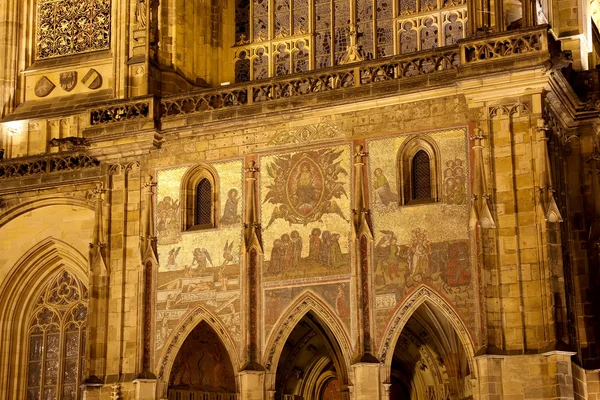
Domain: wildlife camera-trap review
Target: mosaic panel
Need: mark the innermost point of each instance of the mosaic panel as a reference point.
(301, 193)
(337, 295)
(200, 267)
(423, 243)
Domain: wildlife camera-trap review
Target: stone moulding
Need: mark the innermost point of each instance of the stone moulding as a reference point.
(47, 165)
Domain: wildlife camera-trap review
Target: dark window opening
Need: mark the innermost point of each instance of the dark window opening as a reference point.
(204, 203)
(421, 176)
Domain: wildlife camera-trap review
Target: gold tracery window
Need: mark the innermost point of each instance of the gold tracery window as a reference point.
(67, 27)
(57, 340)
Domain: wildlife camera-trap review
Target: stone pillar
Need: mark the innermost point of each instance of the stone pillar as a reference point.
(366, 367)
(366, 381)
(145, 389)
(252, 385)
(252, 375)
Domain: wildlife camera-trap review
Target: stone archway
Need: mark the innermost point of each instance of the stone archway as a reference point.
(202, 367)
(308, 326)
(427, 351)
(311, 364)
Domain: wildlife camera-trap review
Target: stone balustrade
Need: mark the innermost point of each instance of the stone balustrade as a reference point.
(477, 50)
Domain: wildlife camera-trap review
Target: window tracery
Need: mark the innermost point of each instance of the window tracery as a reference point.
(322, 33)
(56, 356)
(67, 27)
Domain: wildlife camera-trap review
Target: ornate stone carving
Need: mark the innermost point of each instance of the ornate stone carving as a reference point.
(306, 134)
(68, 80)
(67, 27)
(69, 143)
(121, 112)
(44, 87)
(93, 79)
(503, 46)
(47, 165)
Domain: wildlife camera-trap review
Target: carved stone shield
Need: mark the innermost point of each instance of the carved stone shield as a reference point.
(43, 87)
(68, 80)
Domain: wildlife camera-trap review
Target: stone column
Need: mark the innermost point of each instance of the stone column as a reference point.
(253, 373)
(366, 366)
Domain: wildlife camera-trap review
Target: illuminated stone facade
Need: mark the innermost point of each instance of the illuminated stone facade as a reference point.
(299, 199)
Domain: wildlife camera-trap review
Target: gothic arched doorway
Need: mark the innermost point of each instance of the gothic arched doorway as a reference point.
(202, 367)
(429, 360)
(311, 365)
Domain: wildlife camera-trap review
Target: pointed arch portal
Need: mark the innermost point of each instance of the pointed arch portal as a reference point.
(311, 365)
(202, 367)
(427, 351)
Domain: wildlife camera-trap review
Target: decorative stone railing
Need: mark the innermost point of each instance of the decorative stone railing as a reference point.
(121, 112)
(47, 165)
(504, 45)
(478, 50)
(399, 67)
(199, 395)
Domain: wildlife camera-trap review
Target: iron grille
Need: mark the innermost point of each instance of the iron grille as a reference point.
(421, 176)
(204, 202)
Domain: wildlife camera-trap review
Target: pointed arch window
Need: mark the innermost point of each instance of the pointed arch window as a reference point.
(56, 355)
(200, 198)
(418, 170)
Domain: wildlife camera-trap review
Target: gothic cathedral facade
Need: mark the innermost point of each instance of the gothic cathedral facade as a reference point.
(299, 199)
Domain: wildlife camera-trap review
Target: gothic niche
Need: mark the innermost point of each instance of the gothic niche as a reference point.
(202, 365)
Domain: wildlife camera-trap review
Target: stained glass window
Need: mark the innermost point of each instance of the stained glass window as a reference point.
(57, 340)
(364, 23)
(342, 22)
(204, 204)
(385, 30)
(323, 33)
(421, 176)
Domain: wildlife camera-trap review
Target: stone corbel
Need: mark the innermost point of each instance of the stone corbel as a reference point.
(546, 191)
(480, 208)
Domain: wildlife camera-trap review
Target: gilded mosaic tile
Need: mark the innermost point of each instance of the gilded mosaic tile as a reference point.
(305, 214)
(424, 242)
(199, 267)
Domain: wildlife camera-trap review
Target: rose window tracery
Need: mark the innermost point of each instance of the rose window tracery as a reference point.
(67, 27)
(57, 340)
